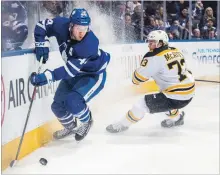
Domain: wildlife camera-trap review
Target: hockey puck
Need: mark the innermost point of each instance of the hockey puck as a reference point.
(43, 161)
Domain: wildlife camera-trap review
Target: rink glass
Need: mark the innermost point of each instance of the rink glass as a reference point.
(116, 21)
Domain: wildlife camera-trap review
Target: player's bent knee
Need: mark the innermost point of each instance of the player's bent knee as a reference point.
(75, 103)
(58, 109)
(140, 108)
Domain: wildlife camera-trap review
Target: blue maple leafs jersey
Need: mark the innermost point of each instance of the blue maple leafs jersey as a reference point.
(81, 57)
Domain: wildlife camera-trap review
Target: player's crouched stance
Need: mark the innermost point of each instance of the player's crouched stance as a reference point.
(82, 76)
(166, 65)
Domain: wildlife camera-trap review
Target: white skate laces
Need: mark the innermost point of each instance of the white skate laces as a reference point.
(65, 131)
(82, 129)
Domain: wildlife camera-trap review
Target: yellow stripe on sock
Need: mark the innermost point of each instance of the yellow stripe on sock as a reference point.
(129, 119)
(130, 116)
(174, 113)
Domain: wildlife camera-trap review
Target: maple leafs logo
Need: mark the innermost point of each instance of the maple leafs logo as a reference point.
(84, 14)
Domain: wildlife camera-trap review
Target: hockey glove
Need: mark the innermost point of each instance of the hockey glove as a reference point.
(47, 77)
(42, 50)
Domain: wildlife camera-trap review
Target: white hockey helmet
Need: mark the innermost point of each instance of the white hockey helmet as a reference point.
(158, 36)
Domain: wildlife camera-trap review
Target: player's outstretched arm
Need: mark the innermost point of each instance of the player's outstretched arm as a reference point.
(69, 70)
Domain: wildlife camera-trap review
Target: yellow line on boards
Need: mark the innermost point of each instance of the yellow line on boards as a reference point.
(32, 140)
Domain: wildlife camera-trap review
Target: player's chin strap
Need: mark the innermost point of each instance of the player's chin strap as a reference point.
(158, 42)
(70, 30)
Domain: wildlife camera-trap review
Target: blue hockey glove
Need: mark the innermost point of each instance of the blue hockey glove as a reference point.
(42, 50)
(47, 77)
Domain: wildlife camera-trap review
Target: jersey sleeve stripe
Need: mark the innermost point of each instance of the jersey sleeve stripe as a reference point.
(68, 71)
(73, 66)
(137, 78)
(134, 81)
(41, 25)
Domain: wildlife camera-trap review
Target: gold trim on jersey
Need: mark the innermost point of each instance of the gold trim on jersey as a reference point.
(184, 89)
(137, 78)
(179, 86)
(166, 51)
(130, 116)
(135, 81)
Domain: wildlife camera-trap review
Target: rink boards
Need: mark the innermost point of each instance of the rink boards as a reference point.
(203, 59)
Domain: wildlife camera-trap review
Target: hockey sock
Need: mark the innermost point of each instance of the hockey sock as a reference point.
(137, 112)
(173, 114)
(67, 120)
(84, 115)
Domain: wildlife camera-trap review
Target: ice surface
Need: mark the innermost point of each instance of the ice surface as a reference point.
(145, 148)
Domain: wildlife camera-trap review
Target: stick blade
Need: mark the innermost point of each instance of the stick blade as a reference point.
(12, 163)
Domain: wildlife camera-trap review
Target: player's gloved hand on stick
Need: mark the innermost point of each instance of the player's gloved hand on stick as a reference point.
(42, 50)
(46, 77)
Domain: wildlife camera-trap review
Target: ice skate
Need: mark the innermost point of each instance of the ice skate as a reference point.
(168, 123)
(117, 127)
(60, 134)
(83, 129)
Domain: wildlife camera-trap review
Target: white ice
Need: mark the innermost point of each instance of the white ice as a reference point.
(145, 148)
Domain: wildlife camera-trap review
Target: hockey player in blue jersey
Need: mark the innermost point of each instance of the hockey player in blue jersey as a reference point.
(83, 75)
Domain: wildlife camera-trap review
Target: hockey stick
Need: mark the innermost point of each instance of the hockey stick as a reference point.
(28, 115)
(208, 81)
